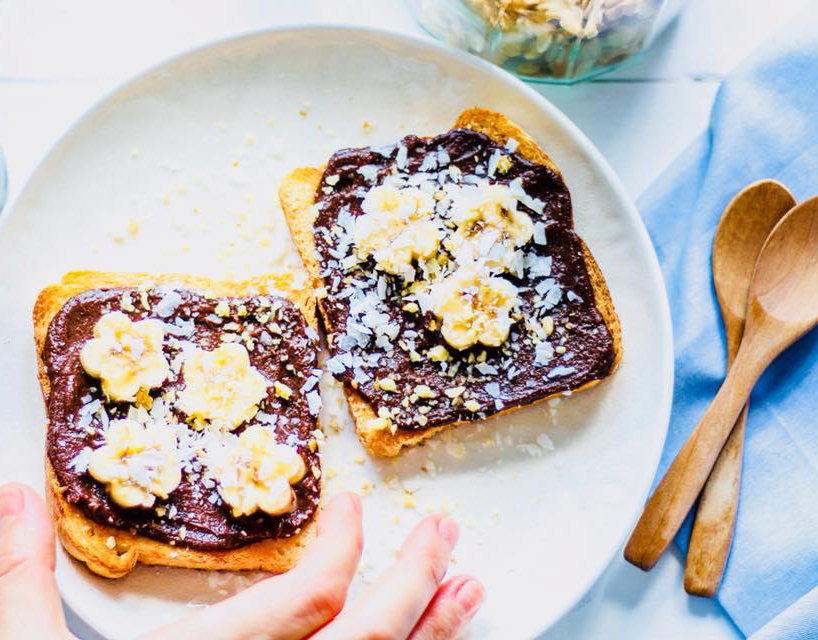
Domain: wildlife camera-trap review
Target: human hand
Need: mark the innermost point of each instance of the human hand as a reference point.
(408, 601)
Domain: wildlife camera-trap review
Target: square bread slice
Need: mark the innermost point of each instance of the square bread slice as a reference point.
(110, 539)
(409, 369)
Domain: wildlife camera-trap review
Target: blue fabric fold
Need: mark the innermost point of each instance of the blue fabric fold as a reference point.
(764, 124)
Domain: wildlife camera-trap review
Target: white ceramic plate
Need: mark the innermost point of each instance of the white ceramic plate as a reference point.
(192, 152)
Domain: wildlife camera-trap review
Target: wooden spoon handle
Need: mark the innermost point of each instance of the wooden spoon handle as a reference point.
(675, 494)
(716, 517)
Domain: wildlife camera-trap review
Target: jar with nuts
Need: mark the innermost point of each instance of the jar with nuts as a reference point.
(558, 41)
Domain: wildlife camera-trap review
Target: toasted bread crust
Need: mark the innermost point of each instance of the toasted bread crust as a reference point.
(297, 196)
(87, 540)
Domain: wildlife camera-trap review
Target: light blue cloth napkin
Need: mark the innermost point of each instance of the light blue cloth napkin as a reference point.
(764, 124)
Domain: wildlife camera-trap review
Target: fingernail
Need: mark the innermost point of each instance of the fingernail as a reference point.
(355, 500)
(11, 501)
(449, 530)
(470, 596)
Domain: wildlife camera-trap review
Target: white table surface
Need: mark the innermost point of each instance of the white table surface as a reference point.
(58, 58)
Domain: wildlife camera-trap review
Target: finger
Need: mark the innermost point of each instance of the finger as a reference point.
(454, 605)
(294, 604)
(27, 568)
(393, 605)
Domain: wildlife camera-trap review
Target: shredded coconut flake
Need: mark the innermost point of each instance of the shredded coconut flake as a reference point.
(369, 172)
(168, 304)
(79, 463)
(401, 157)
(314, 402)
(539, 233)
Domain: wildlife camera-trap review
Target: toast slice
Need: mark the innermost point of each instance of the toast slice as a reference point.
(113, 550)
(301, 191)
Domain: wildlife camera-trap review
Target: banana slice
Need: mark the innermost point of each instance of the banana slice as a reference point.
(489, 226)
(473, 306)
(221, 386)
(396, 228)
(137, 464)
(419, 240)
(255, 472)
(126, 356)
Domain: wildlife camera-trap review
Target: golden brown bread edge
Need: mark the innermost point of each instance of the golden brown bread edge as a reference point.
(87, 540)
(297, 193)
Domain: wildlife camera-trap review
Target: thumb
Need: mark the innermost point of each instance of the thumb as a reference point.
(30, 604)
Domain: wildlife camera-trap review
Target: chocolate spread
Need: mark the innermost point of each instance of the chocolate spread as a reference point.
(193, 515)
(497, 378)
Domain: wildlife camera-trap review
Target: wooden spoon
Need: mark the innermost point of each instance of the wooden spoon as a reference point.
(743, 228)
(781, 307)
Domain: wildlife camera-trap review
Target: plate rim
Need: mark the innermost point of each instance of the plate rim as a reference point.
(421, 41)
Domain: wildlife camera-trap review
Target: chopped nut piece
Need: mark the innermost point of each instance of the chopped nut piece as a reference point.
(126, 304)
(144, 399)
(503, 163)
(548, 325)
(438, 353)
(472, 405)
(424, 391)
(222, 309)
(386, 384)
(282, 390)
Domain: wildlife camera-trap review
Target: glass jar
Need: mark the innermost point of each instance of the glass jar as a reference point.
(557, 41)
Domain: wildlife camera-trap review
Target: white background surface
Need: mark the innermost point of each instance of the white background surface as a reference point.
(56, 59)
